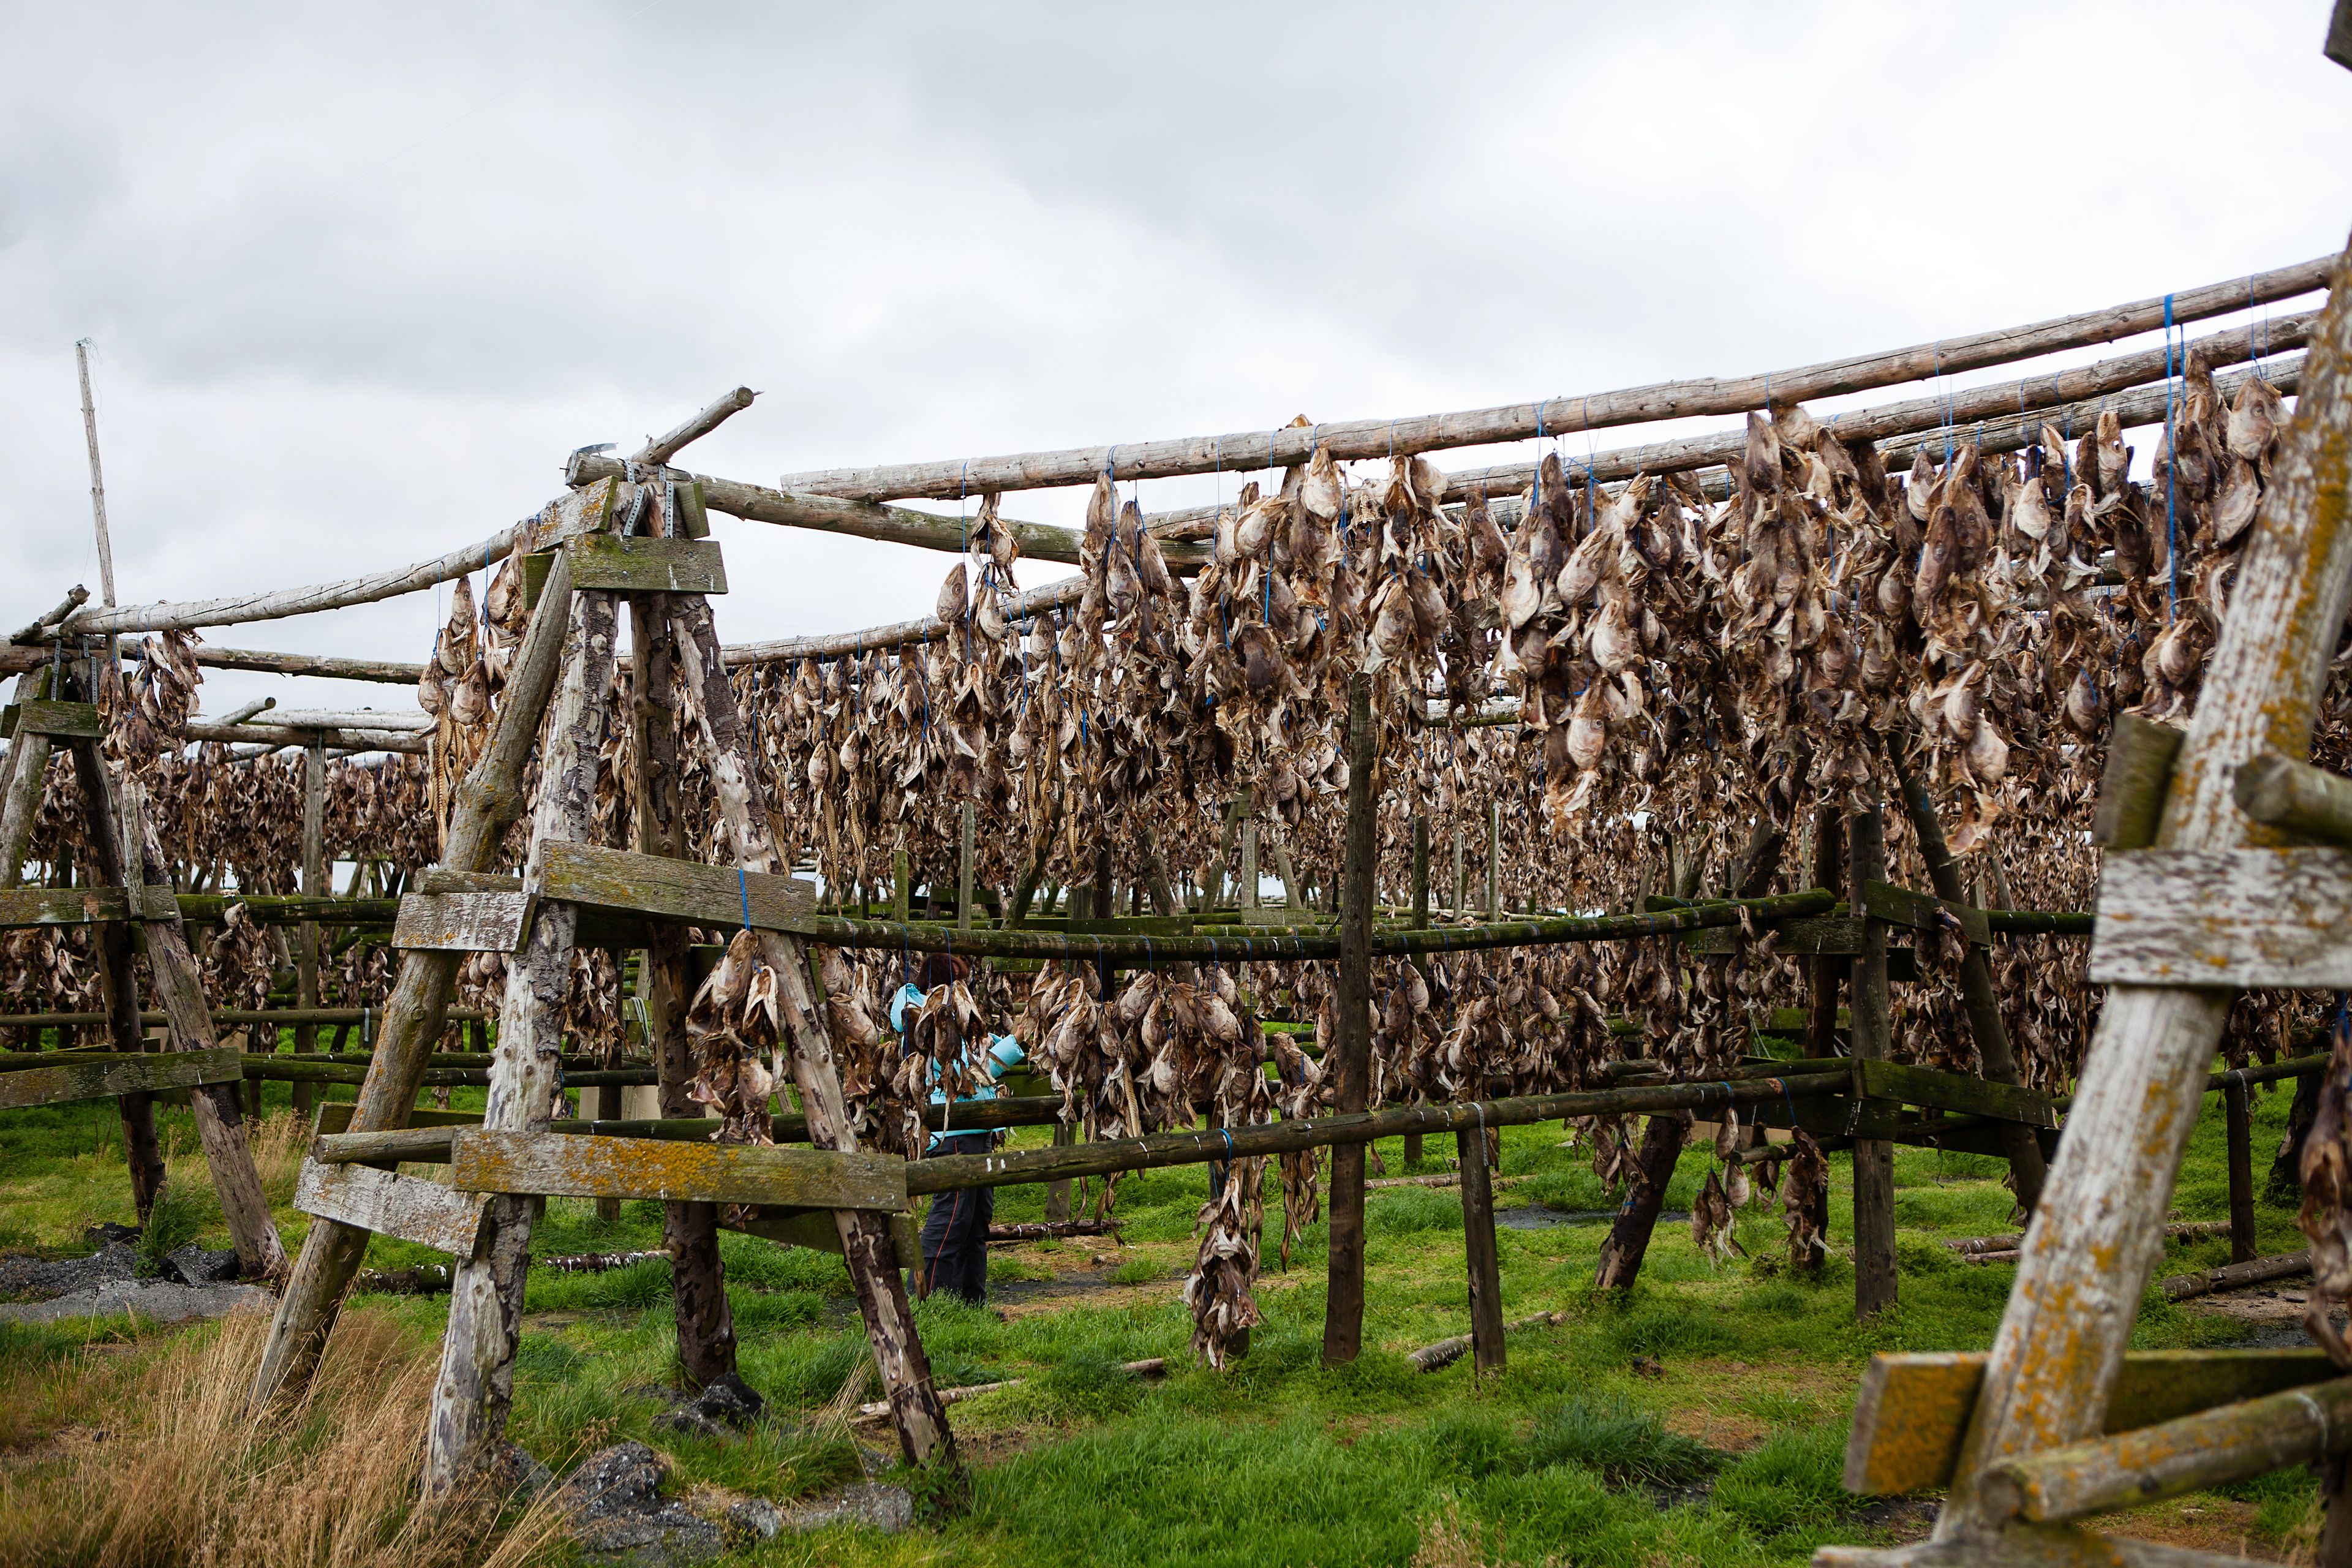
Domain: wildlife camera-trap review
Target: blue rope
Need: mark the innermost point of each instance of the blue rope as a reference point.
(743, 887)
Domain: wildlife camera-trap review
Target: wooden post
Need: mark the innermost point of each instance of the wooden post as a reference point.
(1479, 1246)
(866, 1246)
(1058, 1193)
(1822, 975)
(1421, 872)
(118, 983)
(1873, 1158)
(28, 765)
(2099, 1233)
(1654, 1168)
(1493, 860)
(1249, 861)
(1343, 1312)
(1461, 886)
(2238, 1116)
(220, 1121)
(1293, 892)
(314, 885)
(470, 1399)
(963, 869)
(2018, 1142)
(487, 805)
(706, 1323)
(902, 888)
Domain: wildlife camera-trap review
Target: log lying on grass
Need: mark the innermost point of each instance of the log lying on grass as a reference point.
(1446, 1353)
(1151, 1366)
(2235, 1275)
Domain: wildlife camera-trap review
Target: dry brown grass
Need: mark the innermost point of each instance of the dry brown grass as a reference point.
(185, 1476)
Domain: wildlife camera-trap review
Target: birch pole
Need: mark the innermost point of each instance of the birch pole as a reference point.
(96, 479)
(2099, 1233)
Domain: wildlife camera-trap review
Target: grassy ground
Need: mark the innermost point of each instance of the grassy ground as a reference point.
(1726, 1451)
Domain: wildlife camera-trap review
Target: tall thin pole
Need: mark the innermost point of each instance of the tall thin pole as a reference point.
(97, 476)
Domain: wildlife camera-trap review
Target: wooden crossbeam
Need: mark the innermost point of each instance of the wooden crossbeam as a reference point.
(1956, 1091)
(100, 1075)
(22, 907)
(568, 1165)
(817, 1230)
(664, 888)
(413, 1208)
(463, 923)
(1923, 911)
(1914, 1408)
(637, 565)
(2256, 919)
(62, 720)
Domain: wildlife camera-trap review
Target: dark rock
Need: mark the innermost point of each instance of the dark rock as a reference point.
(870, 1504)
(873, 1461)
(725, 1406)
(619, 1517)
(191, 1264)
(41, 1278)
(754, 1520)
(107, 1233)
(525, 1476)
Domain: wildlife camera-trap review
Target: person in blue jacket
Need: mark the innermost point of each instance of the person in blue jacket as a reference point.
(955, 1235)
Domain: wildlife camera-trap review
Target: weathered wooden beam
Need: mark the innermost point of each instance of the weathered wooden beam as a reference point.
(2209, 1449)
(384, 1202)
(487, 805)
(662, 449)
(407, 742)
(2237, 1114)
(1380, 438)
(2097, 1237)
(1007, 1168)
(463, 923)
(1912, 1408)
(2132, 781)
(2251, 919)
(2296, 796)
(1343, 1310)
(1875, 1283)
(59, 721)
(2234, 1276)
(554, 1165)
(724, 897)
(100, 1075)
(74, 598)
(1921, 911)
(25, 907)
(1961, 1092)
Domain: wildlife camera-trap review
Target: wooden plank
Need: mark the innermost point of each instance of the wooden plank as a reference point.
(2229, 918)
(2134, 783)
(818, 1231)
(674, 890)
(100, 1075)
(68, 721)
(413, 1208)
(2285, 793)
(557, 1164)
(1920, 912)
(1912, 1407)
(1956, 1091)
(83, 906)
(646, 565)
(463, 923)
(440, 880)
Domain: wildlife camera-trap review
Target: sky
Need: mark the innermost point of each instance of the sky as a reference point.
(357, 278)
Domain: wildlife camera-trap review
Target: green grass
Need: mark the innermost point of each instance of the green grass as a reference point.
(1730, 1454)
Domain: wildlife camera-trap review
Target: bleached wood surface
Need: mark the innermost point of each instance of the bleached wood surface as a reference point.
(383, 1203)
(462, 923)
(2240, 918)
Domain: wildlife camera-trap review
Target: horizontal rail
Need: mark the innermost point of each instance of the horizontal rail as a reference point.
(1272, 945)
(232, 1015)
(950, 1173)
(968, 1116)
(1369, 438)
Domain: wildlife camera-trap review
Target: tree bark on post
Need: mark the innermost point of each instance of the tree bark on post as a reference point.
(1478, 1251)
(1494, 861)
(924, 1436)
(1412, 1143)
(1822, 975)
(487, 804)
(2238, 1116)
(1873, 1158)
(471, 1397)
(2019, 1142)
(1343, 1313)
(706, 1323)
(314, 885)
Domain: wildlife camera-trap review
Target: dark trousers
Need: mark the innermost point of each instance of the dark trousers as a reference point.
(955, 1235)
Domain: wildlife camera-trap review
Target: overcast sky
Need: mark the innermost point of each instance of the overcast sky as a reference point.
(358, 278)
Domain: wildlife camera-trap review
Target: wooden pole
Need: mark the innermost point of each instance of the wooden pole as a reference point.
(477, 1349)
(487, 804)
(1412, 1143)
(2099, 1233)
(1823, 975)
(1461, 886)
(314, 886)
(2018, 1142)
(1873, 1158)
(1249, 861)
(866, 1246)
(29, 764)
(706, 1323)
(96, 477)
(2237, 1113)
(1637, 1219)
(1343, 1312)
(118, 983)
(1494, 861)
(1380, 438)
(902, 887)
(1294, 894)
(963, 869)
(220, 1121)
(1479, 1246)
